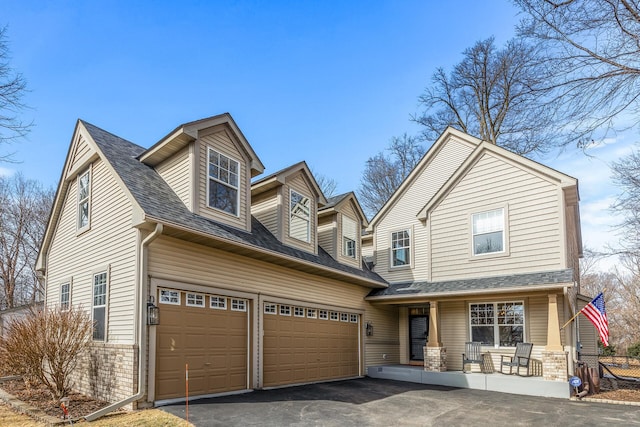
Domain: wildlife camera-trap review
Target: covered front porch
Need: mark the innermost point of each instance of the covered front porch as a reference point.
(531, 386)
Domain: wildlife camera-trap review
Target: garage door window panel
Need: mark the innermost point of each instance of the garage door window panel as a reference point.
(271, 308)
(238, 305)
(218, 303)
(195, 300)
(169, 297)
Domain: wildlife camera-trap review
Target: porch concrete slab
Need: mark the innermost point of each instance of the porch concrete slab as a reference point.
(411, 374)
(530, 386)
(514, 384)
(455, 379)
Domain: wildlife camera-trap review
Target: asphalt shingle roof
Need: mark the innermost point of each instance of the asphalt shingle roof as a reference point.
(484, 283)
(160, 202)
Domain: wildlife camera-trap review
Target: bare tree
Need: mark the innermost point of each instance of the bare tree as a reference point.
(24, 210)
(593, 49)
(495, 94)
(326, 184)
(384, 173)
(12, 89)
(626, 175)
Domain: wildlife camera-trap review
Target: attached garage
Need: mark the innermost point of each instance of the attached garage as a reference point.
(303, 344)
(210, 333)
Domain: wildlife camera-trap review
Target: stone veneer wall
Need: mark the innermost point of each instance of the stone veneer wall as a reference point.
(108, 372)
(435, 359)
(554, 365)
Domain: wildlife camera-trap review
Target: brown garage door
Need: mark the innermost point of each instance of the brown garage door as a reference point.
(207, 332)
(304, 344)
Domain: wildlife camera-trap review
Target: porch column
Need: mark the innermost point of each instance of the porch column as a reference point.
(554, 358)
(435, 355)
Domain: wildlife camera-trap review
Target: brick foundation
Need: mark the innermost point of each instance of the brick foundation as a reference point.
(554, 365)
(108, 372)
(435, 359)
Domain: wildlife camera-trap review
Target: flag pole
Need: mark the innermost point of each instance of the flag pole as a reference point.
(576, 315)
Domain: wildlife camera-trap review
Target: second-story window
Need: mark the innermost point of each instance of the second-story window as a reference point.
(400, 248)
(84, 199)
(299, 217)
(224, 174)
(349, 236)
(488, 232)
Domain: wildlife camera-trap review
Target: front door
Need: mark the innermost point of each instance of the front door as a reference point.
(418, 335)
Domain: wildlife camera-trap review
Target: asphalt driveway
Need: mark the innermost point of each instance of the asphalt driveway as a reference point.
(376, 402)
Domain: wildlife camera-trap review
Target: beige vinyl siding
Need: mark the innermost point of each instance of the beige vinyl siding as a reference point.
(403, 338)
(173, 259)
(266, 209)
(532, 226)
(109, 244)
(573, 257)
(367, 248)
(176, 171)
(350, 213)
(222, 143)
(298, 184)
(327, 234)
(588, 336)
(383, 347)
(403, 214)
(81, 153)
(454, 327)
(454, 323)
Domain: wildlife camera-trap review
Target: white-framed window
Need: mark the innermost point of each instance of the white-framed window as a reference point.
(84, 200)
(353, 318)
(400, 248)
(219, 303)
(270, 308)
(334, 315)
(498, 324)
(65, 296)
(487, 232)
(344, 317)
(195, 300)
(223, 183)
(349, 237)
(99, 306)
(169, 297)
(238, 304)
(312, 313)
(285, 310)
(323, 314)
(299, 216)
(298, 311)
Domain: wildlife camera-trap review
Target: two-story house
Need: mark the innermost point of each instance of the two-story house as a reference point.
(479, 244)
(185, 264)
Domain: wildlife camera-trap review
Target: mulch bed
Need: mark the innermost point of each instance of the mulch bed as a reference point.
(620, 390)
(39, 396)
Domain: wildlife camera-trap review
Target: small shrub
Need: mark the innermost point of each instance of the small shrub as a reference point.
(46, 346)
(634, 350)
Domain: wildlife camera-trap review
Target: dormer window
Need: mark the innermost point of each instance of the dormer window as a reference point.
(84, 196)
(223, 183)
(299, 216)
(349, 235)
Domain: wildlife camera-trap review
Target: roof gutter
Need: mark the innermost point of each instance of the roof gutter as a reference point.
(408, 297)
(141, 330)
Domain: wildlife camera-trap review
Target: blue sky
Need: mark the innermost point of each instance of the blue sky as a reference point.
(328, 82)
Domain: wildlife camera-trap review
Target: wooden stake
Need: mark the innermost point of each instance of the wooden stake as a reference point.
(186, 375)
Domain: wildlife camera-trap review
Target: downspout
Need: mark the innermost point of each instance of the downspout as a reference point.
(142, 330)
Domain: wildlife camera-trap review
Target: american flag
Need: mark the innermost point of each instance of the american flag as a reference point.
(596, 313)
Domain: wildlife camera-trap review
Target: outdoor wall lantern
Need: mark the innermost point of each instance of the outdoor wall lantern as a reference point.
(369, 329)
(153, 312)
